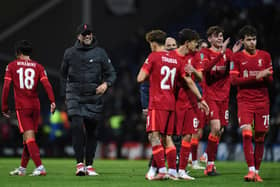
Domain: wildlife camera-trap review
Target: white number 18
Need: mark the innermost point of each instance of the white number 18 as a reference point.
(26, 78)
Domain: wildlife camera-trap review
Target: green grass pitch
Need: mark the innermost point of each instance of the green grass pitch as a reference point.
(60, 172)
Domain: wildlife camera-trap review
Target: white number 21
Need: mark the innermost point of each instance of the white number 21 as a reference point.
(165, 70)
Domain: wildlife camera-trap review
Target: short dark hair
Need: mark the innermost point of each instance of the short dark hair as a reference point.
(23, 47)
(157, 36)
(187, 35)
(200, 41)
(247, 30)
(214, 30)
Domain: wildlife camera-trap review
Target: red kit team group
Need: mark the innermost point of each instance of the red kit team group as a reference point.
(177, 107)
(188, 87)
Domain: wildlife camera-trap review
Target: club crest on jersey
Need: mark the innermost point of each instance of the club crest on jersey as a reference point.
(231, 65)
(225, 57)
(260, 62)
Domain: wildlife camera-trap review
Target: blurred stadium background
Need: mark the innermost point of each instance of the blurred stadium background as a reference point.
(120, 26)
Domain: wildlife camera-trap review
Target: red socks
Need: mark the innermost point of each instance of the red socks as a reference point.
(259, 148)
(34, 151)
(158, 154)
(153, 163)
(171, 157)
(212, 147)
(24, 156)
(184, 154)
(194, 145)
(248, 147)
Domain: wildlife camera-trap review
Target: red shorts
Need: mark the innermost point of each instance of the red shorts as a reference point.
(219, 110)
(160, 120)
(28, 119)
(254, 114)
(186, 121)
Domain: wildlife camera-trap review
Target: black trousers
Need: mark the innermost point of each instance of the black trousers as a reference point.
(84, 138)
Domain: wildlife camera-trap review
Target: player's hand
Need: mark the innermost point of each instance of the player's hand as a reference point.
(101, 89)
(264, 73)
(145, 112)
(53, 107)
(224, 46)
(202, 105)
(237, 46)
(189, 69)
(6, 114)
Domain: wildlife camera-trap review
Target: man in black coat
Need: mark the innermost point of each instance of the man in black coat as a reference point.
(87, 73)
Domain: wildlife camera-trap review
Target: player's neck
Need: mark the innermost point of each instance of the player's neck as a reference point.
(23, 57)
(159, 48)
(215, 48)
(251, 51)
(182, 50)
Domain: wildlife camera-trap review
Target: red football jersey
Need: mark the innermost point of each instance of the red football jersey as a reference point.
(163, 70)
(25, 75)
(217, 81)
(246, 66)
(186, 98)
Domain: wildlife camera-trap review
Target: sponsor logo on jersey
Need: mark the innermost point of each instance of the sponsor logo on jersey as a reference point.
(245, 73)
(214, 68)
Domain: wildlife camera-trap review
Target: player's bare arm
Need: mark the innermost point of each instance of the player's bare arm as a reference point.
(237, 46)
(189, 69)
(202, 105)
(193, 87)
(264, 73)
(224, 46)
(142, 76)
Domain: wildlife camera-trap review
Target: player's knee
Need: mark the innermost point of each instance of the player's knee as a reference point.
(247, 133)
(187, 138)
(259, 138)
(155, 139)
(30, 134)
